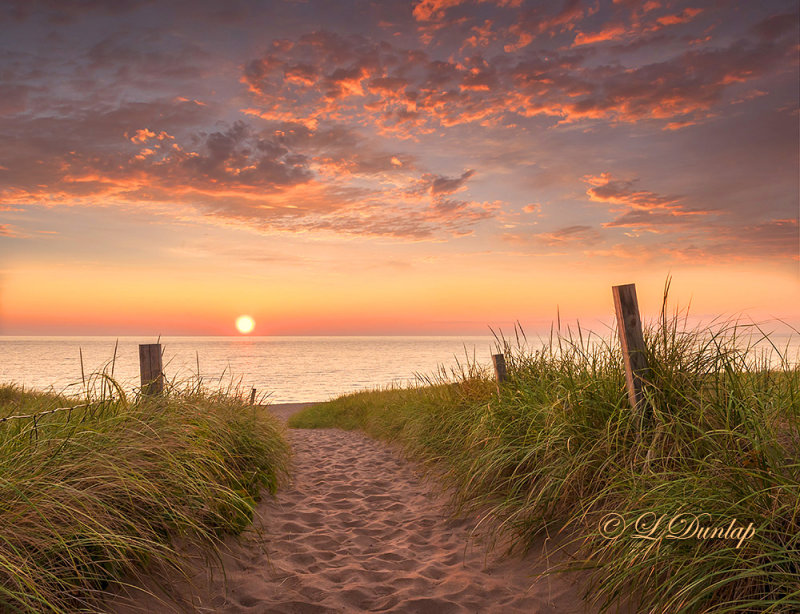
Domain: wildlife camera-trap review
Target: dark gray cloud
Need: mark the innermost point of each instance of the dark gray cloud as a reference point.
(448, 185)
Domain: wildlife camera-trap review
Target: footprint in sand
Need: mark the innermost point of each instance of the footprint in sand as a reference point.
(359, 531)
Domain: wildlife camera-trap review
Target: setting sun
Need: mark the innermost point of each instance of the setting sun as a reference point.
(434, 167)
(245, 324)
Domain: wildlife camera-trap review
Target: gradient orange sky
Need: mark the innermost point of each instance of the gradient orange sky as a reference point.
(434, 166)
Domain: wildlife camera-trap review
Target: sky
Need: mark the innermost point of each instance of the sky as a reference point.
(394, 167)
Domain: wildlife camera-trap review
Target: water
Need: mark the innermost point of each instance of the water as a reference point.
(288, 369)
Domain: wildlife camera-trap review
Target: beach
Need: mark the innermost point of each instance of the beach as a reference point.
(389, 500)
(414, 306)
(360, 529)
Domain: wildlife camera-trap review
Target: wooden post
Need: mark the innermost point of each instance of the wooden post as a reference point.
(151, 369)
(499, 362)
(253, 396)
(631, 339)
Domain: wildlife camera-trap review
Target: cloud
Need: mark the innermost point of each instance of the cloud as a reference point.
(427, 10)
(776, 26)
(437, 189)
(142, 135)
(405, 93)
(320, 132)
(434, 10)
(693, 232)
(231, 159)
(540, 21)
(281, 176)
(609, 33)
(480, 35)
(578, 233)
(635, 24)
(401, 221)
(448, 185)
(639, 209)
(574, 236)
(65, 11)
(771, 240)
(605, 188)
(15, 98)
(12, 232)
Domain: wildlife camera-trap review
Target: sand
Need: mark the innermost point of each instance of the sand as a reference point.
(360, 529)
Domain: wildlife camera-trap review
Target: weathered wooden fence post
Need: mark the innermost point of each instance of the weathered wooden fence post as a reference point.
(631, 339)
(499, 362)
(150, 368)
(253, 396)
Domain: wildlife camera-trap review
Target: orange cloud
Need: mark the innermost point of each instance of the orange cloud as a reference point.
(635, 26)
(605, 188)
(427, 10)
(10, 231)
(431, 10)
(481, 35)
(638, 209)
(684, 16)
(610, 33)
(404, 93)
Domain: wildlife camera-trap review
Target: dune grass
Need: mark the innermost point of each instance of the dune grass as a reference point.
(558, 448)
(93, 497)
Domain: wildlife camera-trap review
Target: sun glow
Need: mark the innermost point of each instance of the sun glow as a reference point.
(245, 324)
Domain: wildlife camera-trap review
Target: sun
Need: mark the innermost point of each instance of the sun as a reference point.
(245, 324)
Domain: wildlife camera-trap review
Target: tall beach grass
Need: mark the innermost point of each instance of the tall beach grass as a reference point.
(91, 498)
(557, 448)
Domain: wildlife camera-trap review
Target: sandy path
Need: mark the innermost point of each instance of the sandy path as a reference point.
(360, 530)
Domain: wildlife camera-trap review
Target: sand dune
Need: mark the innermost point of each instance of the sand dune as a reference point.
(359, 529)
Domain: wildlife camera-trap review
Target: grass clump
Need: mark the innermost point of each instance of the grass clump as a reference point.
(93, 496)
(557, 447)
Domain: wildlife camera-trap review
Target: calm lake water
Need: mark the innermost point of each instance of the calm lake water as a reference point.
(284, 369)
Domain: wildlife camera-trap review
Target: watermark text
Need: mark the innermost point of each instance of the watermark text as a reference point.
(683, 525)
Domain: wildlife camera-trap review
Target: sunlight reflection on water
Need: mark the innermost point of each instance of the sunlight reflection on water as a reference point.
(288, 369)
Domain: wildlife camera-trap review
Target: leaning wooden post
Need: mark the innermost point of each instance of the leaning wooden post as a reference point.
(150, 368)
(631, 339)
(253, 396)
(499, 362)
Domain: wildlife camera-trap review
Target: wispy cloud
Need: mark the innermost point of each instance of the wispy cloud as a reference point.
(637, 208)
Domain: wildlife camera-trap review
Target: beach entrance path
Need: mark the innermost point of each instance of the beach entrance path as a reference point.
(359, 529)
